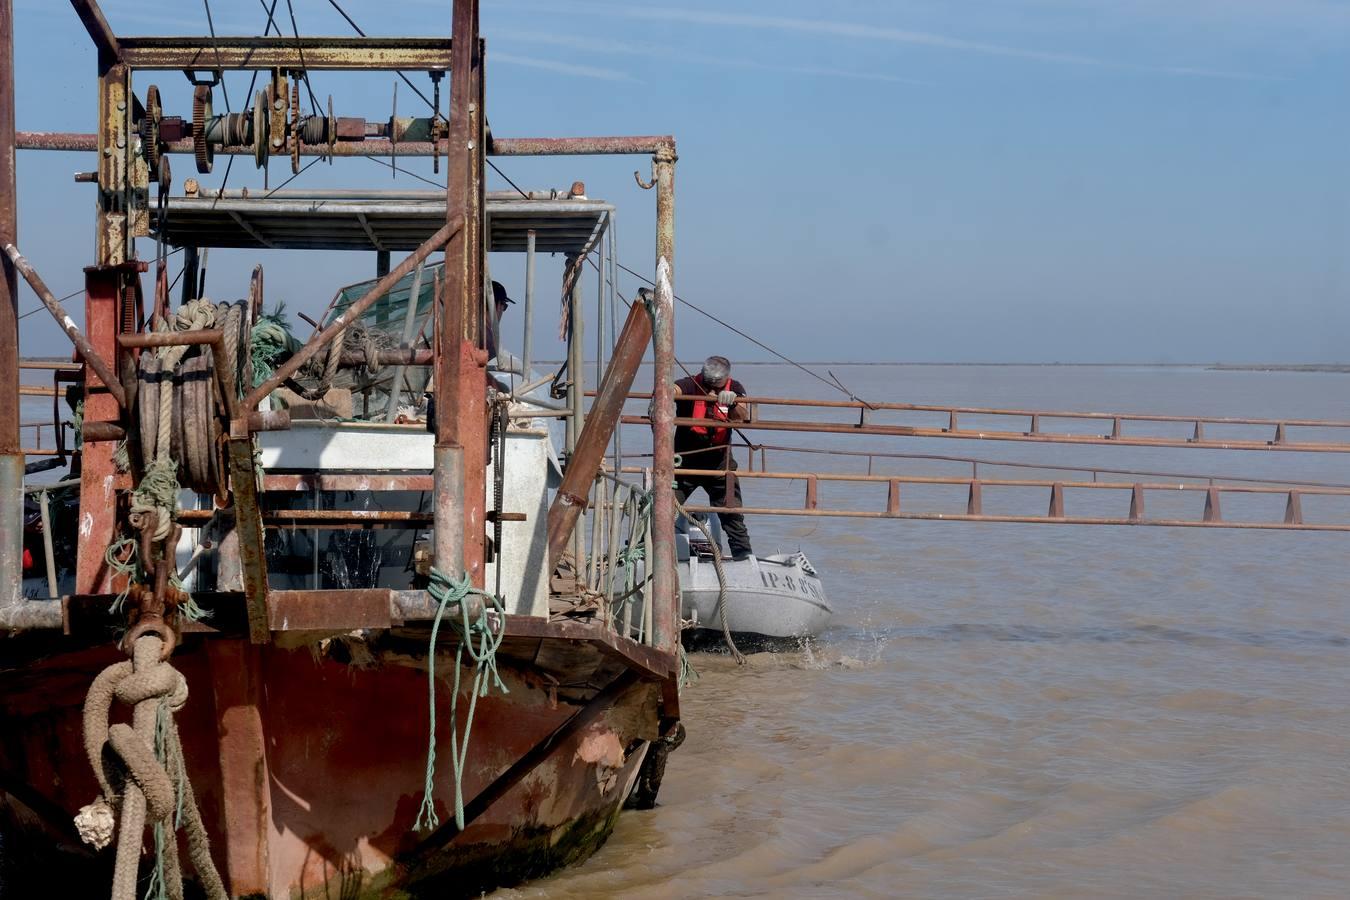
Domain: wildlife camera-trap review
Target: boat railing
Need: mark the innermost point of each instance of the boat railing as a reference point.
(982, 498)
(1043, 426)
(975, 509)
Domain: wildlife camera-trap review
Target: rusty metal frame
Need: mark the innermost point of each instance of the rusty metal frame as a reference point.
(459, 358)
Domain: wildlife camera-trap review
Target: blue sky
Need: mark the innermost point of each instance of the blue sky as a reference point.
(989, 180)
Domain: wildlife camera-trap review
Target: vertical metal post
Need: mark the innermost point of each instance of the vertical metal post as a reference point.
(600, 314)
(381, 263)
(665, 585)
(11, 457)
(613, 326)
(98, 500)
(576, 367)
(113, 229)
(529, 305)
(461, 368)
(191, 260)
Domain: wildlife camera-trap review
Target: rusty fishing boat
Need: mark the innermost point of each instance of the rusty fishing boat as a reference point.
(201, 689)
(302, 618)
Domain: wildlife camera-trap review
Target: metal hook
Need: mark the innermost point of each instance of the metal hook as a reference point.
(646, 185)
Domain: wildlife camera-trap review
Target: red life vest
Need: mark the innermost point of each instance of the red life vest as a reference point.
(719, 414)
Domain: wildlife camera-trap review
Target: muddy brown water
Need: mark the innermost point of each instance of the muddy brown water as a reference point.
(1025, 710)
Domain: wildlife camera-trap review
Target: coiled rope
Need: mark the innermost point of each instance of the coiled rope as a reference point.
(179, 426)
(140, 771)
(480, 641)
(355, 338)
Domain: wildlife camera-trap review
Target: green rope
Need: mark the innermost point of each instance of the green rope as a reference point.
(447, 591)
(270, 339)
(131, 568)
(158, 493)
(155, 888)
(638, 508)
(688, 674)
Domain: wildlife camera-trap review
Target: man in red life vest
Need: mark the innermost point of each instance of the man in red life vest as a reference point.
(711, 395)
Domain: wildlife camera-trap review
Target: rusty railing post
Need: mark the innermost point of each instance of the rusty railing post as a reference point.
(666, 589)
(460, 442)
(1293, 509)
(1056, 501)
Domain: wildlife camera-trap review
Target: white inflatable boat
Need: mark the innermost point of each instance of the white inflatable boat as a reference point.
(777, 597)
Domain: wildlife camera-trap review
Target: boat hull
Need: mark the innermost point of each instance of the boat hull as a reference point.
(775, 597)
(309, 766)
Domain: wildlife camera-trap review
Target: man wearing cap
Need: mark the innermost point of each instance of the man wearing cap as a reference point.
(711, 395)
(499, 303)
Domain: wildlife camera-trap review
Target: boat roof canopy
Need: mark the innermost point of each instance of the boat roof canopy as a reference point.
(348, 220)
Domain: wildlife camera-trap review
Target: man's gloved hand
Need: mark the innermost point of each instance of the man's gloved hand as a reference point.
(726, 398)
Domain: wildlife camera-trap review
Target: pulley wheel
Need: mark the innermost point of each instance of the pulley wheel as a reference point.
(261, 127)
(201, 112)
(150, 127)
(295, 128)
(196, 416)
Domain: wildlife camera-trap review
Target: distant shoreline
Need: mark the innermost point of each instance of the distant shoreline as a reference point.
(1334, 368)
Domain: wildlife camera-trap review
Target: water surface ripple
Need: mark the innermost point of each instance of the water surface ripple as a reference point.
(1025, 710)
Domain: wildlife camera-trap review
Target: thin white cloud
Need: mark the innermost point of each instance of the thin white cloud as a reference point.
(886, 34)
(650, 51)
(560, 67)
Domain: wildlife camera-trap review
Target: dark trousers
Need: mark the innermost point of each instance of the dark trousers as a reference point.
(715, 486)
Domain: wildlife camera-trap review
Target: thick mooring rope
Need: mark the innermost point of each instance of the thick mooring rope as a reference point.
(721, 582)
(140, 771)
(469, 629)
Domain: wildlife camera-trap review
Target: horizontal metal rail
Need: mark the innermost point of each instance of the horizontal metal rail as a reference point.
(1197, 441)
(320, 518)
(378, 54)
(49, 365)
(1024, 413)
(975, 462)
(1034, 432)
(1055, 514)
(87, 142)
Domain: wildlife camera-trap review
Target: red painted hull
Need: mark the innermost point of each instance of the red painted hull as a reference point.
(310, 771)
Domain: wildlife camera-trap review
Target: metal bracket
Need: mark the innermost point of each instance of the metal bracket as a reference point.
(212, 81)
